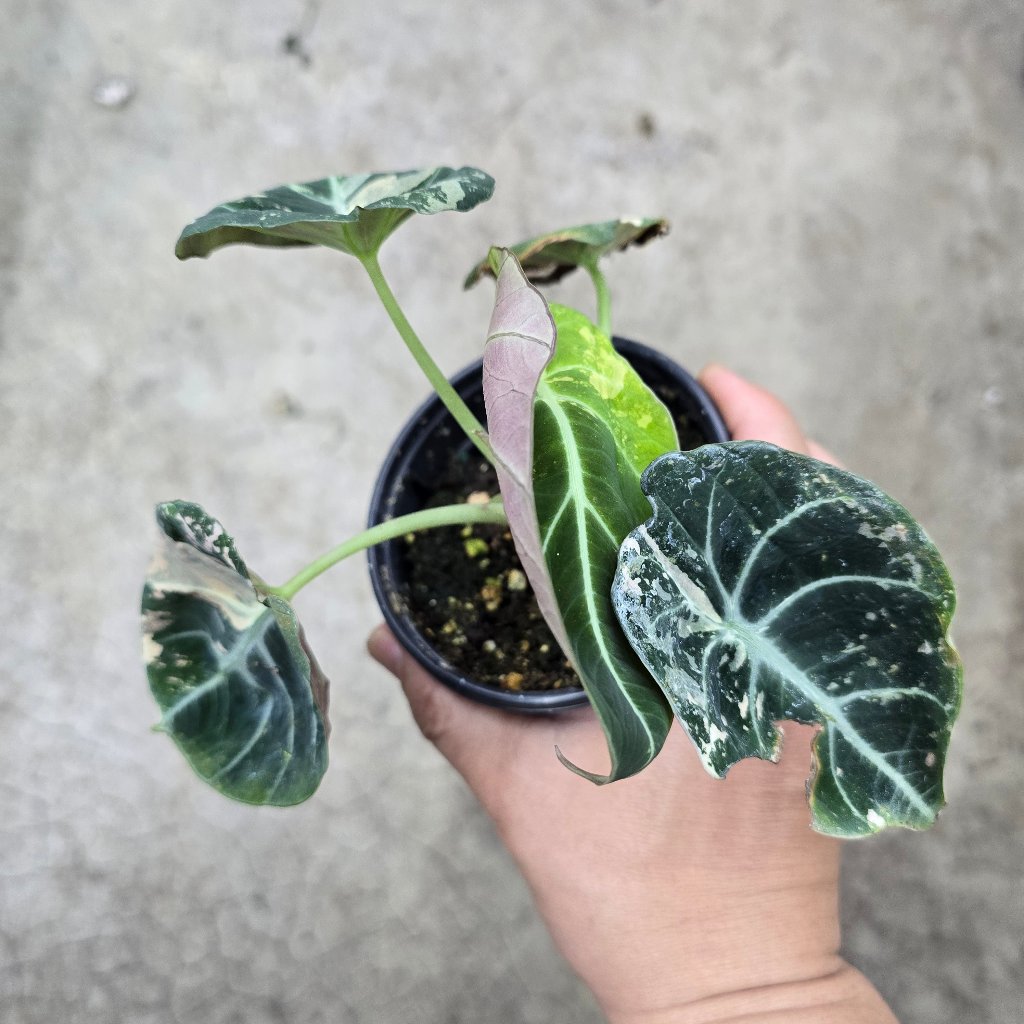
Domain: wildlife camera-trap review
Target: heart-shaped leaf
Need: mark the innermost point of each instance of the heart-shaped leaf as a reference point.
(354, 213)
(241, 693)
(596, 428)
(769, 585)
(520, 343)
(549, 257)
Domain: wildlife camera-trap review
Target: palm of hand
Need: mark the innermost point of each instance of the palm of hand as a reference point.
(671, 849)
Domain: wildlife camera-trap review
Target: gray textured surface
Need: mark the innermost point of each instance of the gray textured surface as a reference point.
(846, 184)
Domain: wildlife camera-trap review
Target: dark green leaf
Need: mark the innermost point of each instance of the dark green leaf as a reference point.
(549, 257)
(354, 214)
(596, 427)
(241, 693)
(769, 585)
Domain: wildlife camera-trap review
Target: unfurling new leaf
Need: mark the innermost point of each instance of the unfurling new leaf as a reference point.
(772, 586)
(241, 694)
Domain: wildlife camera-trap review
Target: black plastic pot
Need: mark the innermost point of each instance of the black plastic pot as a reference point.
(408, 478)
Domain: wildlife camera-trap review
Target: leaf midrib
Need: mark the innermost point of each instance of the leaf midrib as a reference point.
(580, 504)
(233, 661)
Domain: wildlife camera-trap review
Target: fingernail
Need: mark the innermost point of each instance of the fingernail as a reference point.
(385, 649)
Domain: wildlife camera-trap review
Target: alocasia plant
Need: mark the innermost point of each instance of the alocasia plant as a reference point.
(765, 585)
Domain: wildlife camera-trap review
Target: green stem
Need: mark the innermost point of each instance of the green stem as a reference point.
(425, 519)
(604, 298)
(453, 403)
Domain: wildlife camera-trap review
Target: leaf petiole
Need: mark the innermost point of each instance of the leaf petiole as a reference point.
(425, 519)
(604, 299)
(470, 425)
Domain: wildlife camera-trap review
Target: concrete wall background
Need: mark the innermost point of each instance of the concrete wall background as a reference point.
(846, 184)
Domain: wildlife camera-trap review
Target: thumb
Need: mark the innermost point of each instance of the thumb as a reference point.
(458, 727)
(386, 650)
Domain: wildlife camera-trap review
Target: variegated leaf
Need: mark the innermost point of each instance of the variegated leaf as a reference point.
(771, 586)
(354, 213)
(551, 256)
(596, 427)
(241, 693)
(520, 343)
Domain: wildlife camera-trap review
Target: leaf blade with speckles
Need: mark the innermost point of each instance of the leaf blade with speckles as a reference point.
(351, 213)
(768, 586)
(242, 695)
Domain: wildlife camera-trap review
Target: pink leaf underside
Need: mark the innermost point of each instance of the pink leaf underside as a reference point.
(520, 343)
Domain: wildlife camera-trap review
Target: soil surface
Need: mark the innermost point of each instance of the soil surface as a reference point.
(468, 595)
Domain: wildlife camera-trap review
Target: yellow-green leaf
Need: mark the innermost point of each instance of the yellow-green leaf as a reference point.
(596, 428)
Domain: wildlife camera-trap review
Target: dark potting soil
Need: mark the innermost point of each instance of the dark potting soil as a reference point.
(470, 598)
(468, 595)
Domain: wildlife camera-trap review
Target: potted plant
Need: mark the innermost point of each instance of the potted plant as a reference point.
(727, 587)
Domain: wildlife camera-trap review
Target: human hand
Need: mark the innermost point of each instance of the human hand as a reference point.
(675, 896)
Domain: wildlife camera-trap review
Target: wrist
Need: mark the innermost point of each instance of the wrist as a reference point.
(841, 996)
(703, 947)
